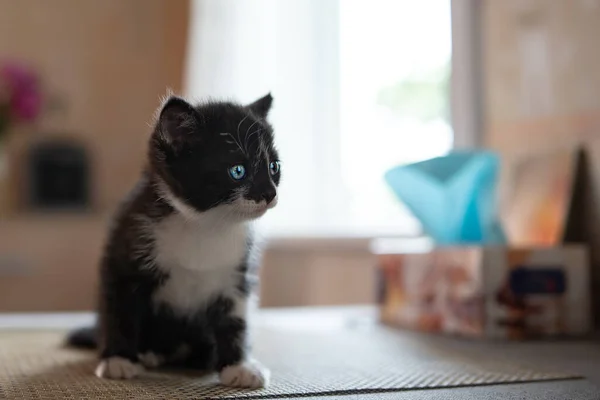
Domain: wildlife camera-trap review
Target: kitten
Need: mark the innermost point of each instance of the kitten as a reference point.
(178, 272)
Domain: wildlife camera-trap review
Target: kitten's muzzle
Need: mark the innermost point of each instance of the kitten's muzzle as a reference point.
(263, 193)
(269, 195)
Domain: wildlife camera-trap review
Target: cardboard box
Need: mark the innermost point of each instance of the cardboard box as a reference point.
(495, 292)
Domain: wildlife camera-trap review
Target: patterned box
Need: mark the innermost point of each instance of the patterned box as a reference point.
(493, 292)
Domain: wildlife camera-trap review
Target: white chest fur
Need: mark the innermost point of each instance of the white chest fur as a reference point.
(201, 258)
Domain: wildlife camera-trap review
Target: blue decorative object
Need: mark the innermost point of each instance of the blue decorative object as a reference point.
(454, 197)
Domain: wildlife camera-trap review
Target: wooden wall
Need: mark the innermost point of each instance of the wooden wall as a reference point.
(111, 60)
(541, 69)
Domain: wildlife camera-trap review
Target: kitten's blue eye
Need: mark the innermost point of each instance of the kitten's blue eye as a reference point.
(237, 172)
(274, 167)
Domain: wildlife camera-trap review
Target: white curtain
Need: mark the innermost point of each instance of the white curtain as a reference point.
(242, 49)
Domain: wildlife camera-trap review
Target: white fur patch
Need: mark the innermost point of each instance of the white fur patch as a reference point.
(201, 255)
(249, 209)
(249, 374)
(118, 368)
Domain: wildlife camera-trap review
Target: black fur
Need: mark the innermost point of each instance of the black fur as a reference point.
(191, 150)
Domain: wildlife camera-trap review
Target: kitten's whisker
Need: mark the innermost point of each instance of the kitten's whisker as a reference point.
(238, 127)
(249, 136)
(250, 127)
(240, 124)
(233, 142)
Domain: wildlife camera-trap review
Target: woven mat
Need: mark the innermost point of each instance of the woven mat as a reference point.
(34, 366)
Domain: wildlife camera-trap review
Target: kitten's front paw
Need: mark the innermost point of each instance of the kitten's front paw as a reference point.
(248, 374)
(118, 368)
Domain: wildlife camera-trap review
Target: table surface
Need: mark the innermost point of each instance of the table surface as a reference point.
(581, 357)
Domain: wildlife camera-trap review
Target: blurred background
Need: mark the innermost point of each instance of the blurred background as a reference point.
(359, 86)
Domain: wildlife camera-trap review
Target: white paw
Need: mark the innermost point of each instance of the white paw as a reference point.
(249, 374)
(151, 360)
(118, 368)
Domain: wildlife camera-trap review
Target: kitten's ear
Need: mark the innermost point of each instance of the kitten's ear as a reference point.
(261, 106)
(177, 121)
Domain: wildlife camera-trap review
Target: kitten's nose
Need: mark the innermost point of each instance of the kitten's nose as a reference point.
(269, 194)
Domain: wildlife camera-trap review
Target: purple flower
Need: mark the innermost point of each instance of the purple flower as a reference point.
(23, 91)
(18, 75)
(26, 105)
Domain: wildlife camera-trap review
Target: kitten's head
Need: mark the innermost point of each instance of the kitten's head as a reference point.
(217, 155)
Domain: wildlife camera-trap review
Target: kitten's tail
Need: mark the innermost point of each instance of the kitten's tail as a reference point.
(84, 338)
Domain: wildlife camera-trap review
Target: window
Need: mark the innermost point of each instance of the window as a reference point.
(395, 102)
(359, 86)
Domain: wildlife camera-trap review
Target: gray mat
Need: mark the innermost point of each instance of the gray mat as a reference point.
(33, 365)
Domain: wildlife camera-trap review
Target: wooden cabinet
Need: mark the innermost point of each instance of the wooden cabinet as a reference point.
(49, 263)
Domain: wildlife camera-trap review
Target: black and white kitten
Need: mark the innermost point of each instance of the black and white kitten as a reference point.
(178, 272)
